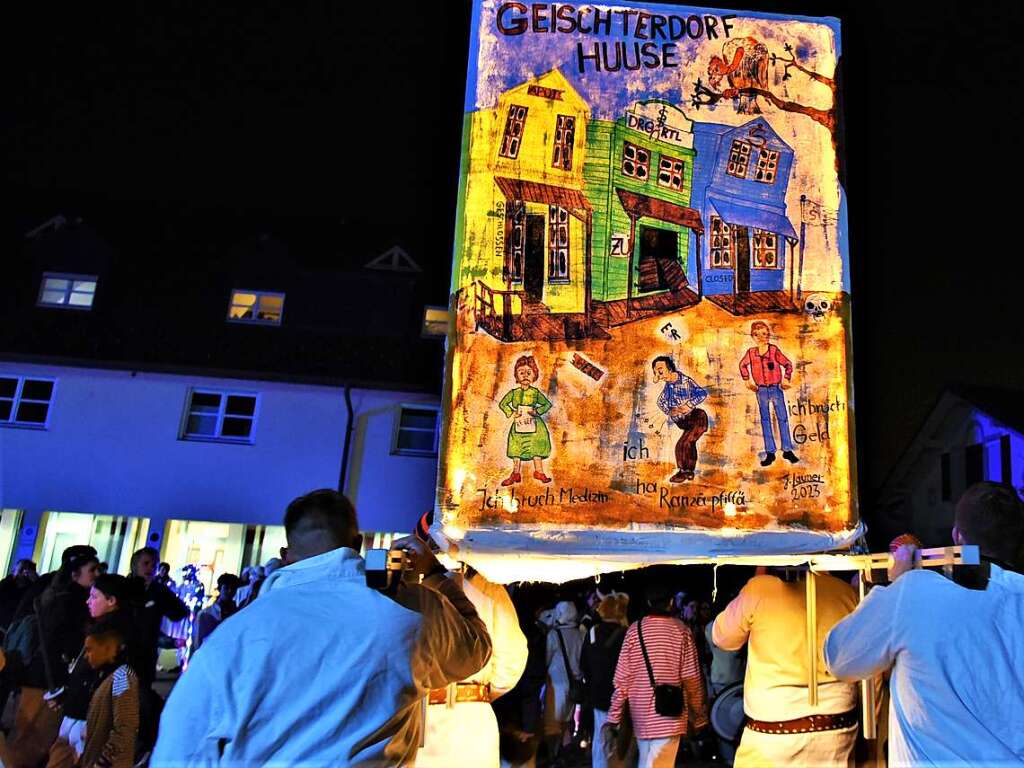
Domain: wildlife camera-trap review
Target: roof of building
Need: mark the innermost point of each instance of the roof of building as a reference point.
(1005, 405)
(162, 300)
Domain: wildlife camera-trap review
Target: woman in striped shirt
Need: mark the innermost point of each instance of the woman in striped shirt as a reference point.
(674, 661)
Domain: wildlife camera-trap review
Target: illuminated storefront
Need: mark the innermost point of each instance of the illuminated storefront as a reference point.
(219, 547)
(10, 522)
(113, 537)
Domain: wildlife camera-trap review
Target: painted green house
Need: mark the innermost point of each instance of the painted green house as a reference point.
(637, 177)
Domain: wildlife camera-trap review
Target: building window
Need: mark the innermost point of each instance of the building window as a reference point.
(767, 165)
(766, 249)
(721, 244)
(974, 464)
(513, 137)
(25, 402)
(558, 244)
(670, 172)
(222, 416)
(416, 431)
(739, 159)
(68, 291)
(258, 307)
(636, 161)
(565, 134)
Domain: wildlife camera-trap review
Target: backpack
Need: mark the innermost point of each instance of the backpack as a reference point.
(27, 664)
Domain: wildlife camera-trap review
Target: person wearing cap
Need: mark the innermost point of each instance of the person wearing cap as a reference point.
(460, 727)
(952, 648)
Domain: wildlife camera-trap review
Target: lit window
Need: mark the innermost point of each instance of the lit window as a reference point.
(739, 159)
(258, 307)
(766, 249)
(636, 161)
(670, 172)
(416, 431)
(558, 244)
(25, 402)
(226, 416)
(513, 136)
(435, 322)
(721, 244)
(767, 165)
(68, 291)
(565, 134)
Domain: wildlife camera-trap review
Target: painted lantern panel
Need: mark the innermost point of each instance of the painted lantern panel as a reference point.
(649, 356)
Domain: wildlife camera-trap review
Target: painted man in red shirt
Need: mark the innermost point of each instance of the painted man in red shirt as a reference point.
(768, 372)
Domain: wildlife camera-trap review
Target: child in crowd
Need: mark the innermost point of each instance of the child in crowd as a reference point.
(113, 723)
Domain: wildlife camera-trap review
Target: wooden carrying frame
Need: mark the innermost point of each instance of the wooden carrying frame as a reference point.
(946, 558)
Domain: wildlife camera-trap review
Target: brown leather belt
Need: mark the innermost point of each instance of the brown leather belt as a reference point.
(463, 692)
(809, 724)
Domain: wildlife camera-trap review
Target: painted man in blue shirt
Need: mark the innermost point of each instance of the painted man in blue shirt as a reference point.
(679, 401)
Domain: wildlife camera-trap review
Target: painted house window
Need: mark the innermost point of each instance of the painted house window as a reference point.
(516, 242)
(739, 159)
(767, 165)
(228, 417)
(565, 134)
(636, 161)
(513, 137)
(558, 244)
(67, 291)
(416, 431)
(766, 249)
(670, 172)
(258, 307)
(721, 244)
(25, 402)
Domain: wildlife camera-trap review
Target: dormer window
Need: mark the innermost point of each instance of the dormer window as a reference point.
(67, 291)
(258, 307)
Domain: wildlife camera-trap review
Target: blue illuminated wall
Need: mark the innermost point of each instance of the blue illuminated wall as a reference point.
(959, 444)
(112, 447)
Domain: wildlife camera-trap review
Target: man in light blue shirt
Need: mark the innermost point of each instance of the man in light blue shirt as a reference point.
(321, 670)
(957, 685)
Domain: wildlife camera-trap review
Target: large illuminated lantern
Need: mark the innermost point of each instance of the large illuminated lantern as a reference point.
(648, 358)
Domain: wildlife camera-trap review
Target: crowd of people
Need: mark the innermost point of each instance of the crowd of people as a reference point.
(80, 654)
(309, 661)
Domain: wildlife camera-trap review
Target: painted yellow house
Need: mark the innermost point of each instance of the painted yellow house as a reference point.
(524, 248)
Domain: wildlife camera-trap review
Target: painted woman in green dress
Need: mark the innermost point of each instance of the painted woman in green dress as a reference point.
(528, 437)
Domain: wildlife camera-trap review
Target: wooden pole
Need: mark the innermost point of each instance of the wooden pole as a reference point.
(867, 687)
(629, 273)
(803, 237)
(812, 638)
(700, 266)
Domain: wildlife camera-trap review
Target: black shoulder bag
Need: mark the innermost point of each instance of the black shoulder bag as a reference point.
(668, 699)
(577, 693)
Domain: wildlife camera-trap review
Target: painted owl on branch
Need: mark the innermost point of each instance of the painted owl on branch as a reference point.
(744, 64)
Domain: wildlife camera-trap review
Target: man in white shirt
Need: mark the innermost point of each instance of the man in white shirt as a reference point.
(957, 684)
(321, 670)
(461, 728)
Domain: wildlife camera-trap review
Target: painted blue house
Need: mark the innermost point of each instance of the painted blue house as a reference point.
(740, 179)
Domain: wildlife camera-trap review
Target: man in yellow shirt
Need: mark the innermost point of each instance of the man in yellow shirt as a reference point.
(769, 615)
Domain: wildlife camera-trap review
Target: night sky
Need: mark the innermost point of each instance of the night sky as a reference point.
(321, 114)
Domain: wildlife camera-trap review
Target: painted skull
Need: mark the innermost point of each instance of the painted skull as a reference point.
(818, 306)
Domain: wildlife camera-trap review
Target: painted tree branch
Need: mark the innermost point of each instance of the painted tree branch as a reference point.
(703, 96)
(791, 62)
